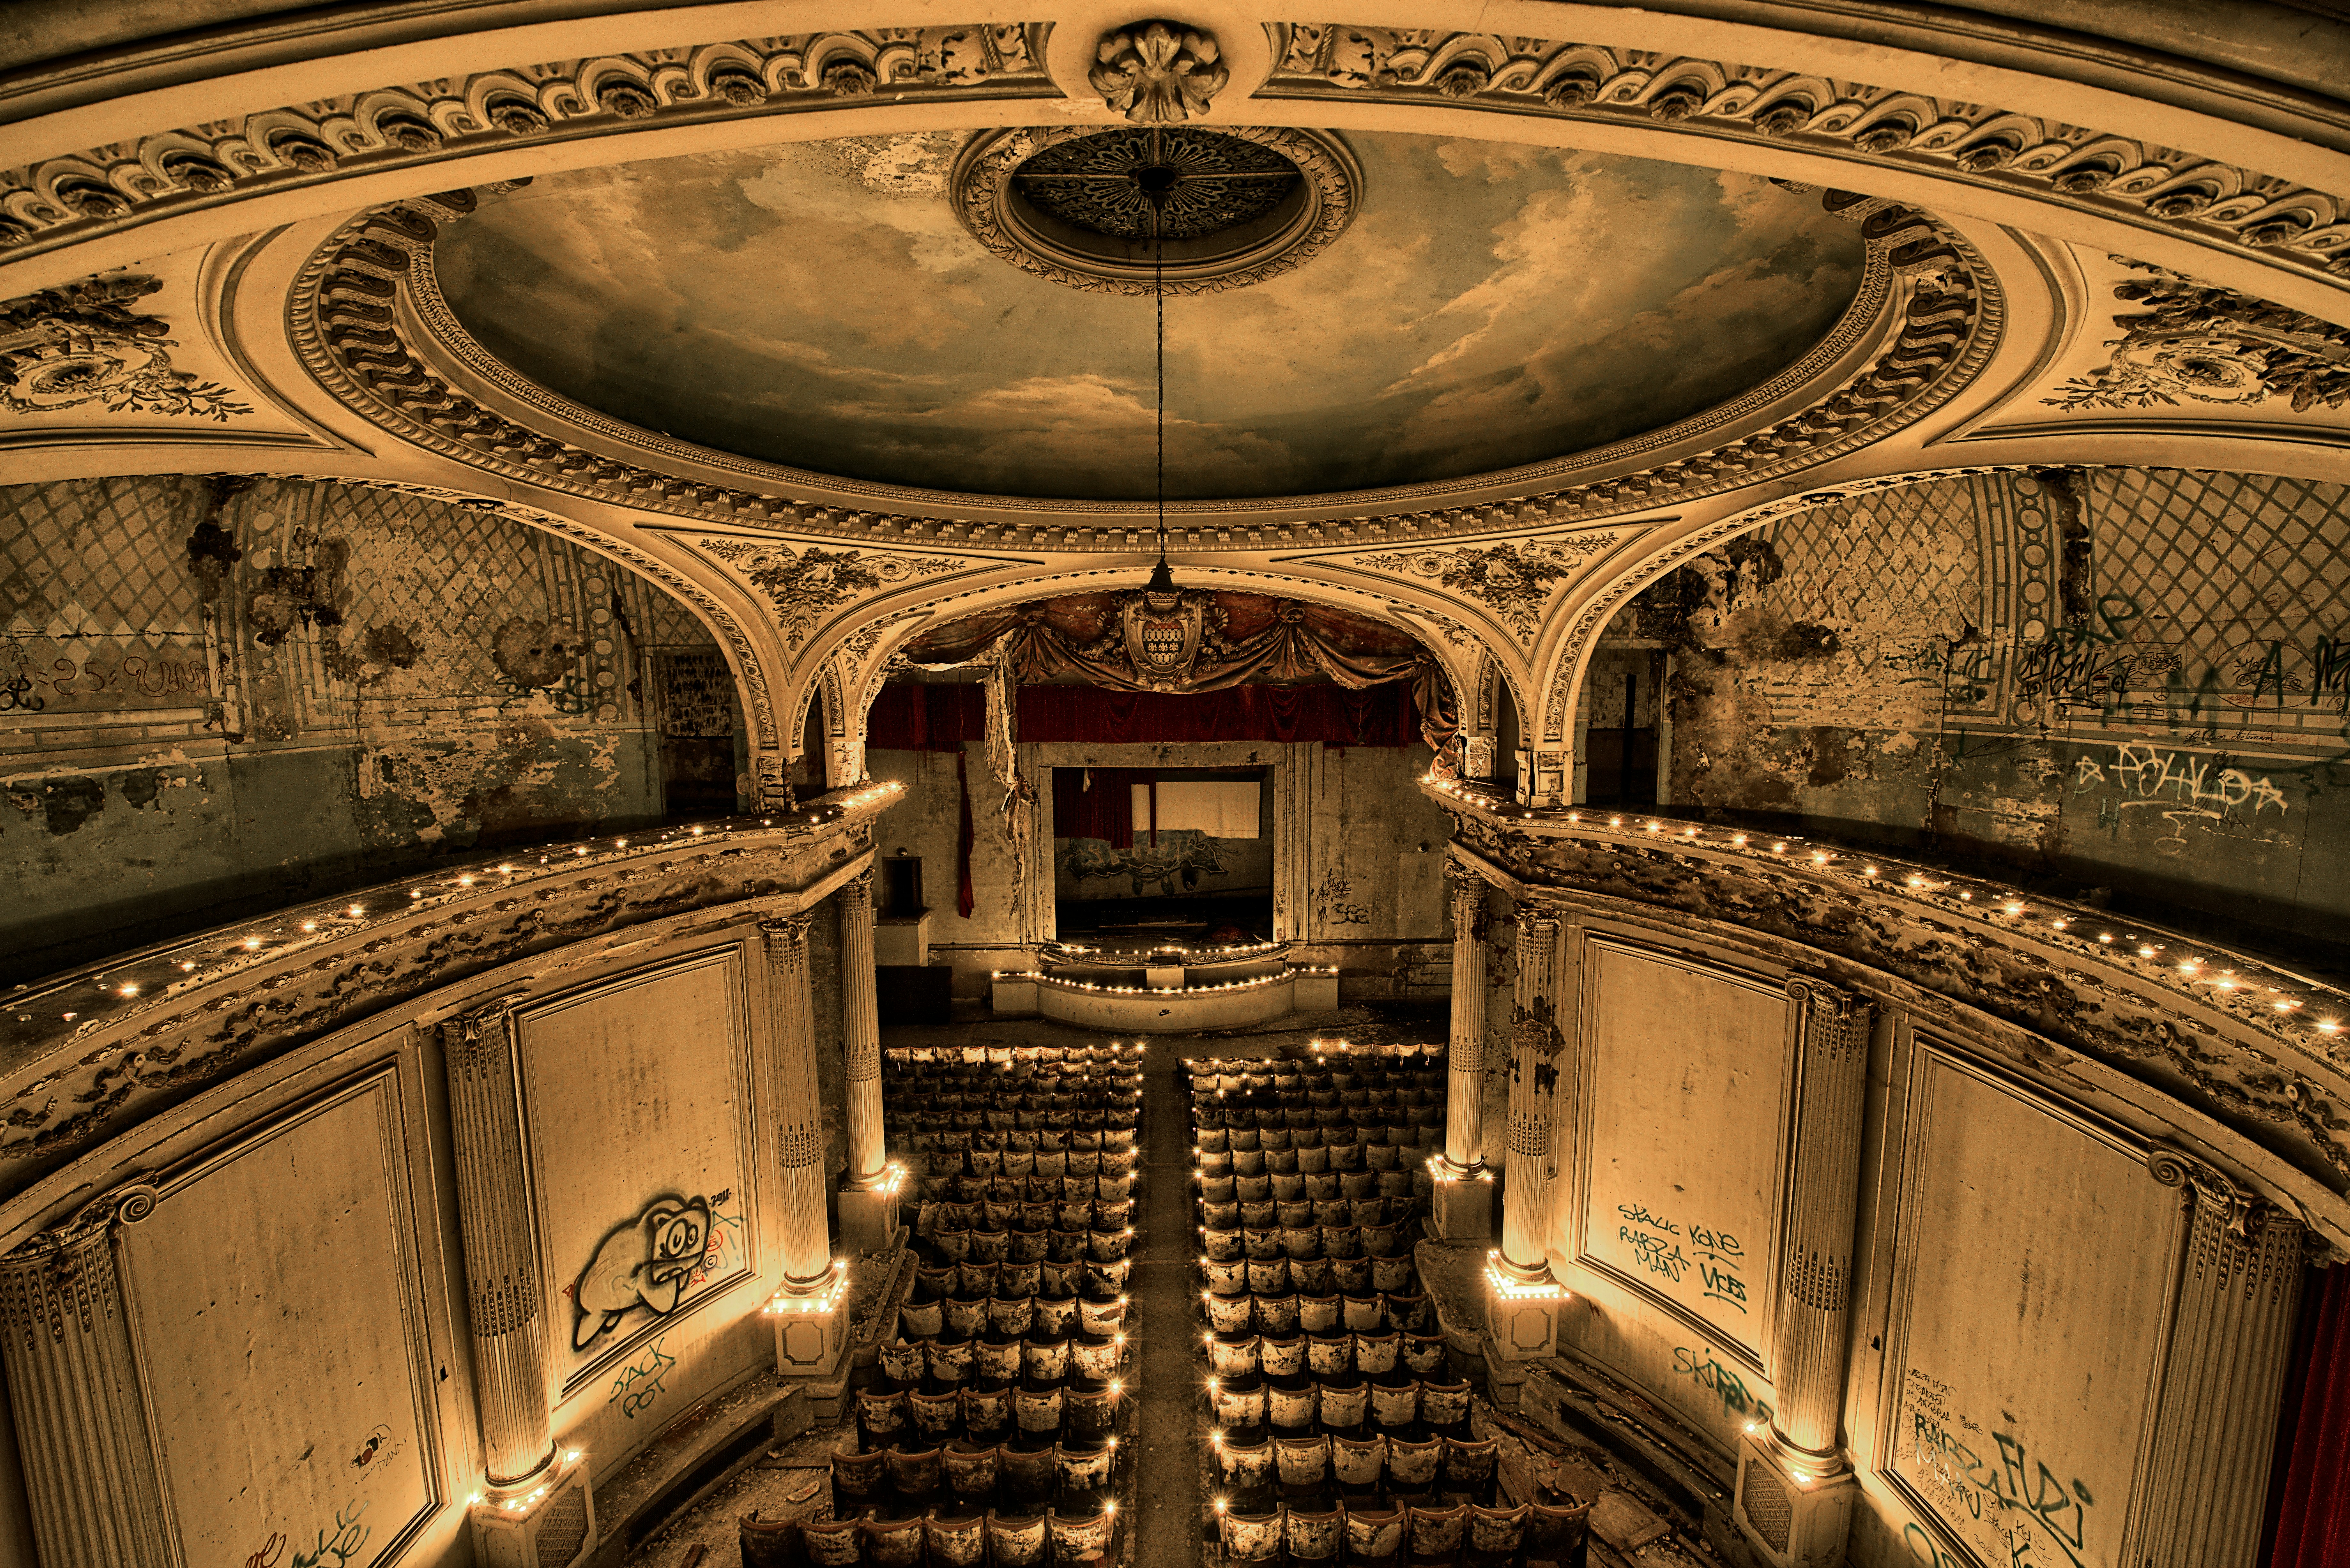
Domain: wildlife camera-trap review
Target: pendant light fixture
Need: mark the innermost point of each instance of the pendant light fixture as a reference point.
(1157, 182)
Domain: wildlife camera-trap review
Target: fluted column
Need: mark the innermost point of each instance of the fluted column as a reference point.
(82, 1432)
(503, 1292)
(1536, 1044)
(2230, 1341)
(799, 1108)
(1823, 1187)
(1465, 1099)
(860, 1027)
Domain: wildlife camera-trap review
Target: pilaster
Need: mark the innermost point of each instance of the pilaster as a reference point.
(809, 1333)
(504, 1293)
(1795, 1481)
(82, 1432)
(2223, 1379)
(1464, 1186)
(869, 1193)
(1522, 1300)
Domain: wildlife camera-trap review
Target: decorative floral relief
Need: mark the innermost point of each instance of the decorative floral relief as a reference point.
(1513, 581)
(84, 343)
(802, 585)
(2211, 346)
(1157, 73)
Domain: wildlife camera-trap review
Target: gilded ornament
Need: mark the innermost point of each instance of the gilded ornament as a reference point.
(1159, 73)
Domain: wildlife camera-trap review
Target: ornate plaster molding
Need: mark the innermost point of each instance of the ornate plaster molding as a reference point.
(87, 1059)
(65, 200)
(2212, 1037)
(2210, 345)
(1158, 73)
(803, 586)
(2162, 189)
(1516, 581)
(85, 343)
(1927, 317)
(981, 188)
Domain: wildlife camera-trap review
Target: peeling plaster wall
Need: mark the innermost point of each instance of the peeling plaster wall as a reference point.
(215, 698)
(2126, 678)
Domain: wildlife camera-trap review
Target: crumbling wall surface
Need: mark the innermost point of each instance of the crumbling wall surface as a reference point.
(217, 696)
(2131, 679)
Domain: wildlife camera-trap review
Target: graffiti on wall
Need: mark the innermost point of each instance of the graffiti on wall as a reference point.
(1178, 862)
(1704, 1368)
(1988, 1485)
(650, 1262)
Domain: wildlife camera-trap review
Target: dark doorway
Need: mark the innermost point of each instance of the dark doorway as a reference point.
(1200, 873)
(701, 730)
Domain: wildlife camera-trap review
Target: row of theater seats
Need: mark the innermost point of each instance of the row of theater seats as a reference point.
(1401, 1407)
(900, 1482)
(1462, 1535)
(909, 1419)
(992, 1435)
(937, 1539)
(1314, 1327)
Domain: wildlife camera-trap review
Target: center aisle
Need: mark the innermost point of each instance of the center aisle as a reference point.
(1166, 1530)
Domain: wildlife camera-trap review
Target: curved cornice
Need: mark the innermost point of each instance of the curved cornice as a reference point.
(84, 1054)
(370, 325)
(2138, 175)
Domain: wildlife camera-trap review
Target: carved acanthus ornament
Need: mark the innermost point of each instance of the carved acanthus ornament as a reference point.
(2211, 346)
(804, 585)
(1159, 73)
(2170, 190)
(1515, 581)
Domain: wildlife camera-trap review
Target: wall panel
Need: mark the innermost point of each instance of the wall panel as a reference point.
(1683, 1104)
(277, 1303)
(637, 1107)
(2032, 1298)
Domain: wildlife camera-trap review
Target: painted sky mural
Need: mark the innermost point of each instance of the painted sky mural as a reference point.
(817, 304)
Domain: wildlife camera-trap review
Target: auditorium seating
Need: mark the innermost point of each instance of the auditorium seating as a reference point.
(991, 1432)
(1340, 1432)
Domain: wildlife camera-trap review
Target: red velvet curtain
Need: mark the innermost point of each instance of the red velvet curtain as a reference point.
(2309, 1485)
(923, 716)
(1381, 715)
(1105, 811)
(965, 899)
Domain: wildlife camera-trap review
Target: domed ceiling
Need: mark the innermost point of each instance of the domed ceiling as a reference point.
(821, 305)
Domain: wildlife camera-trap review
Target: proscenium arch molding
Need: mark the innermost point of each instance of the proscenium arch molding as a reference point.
(2015, 124)
(860, 660)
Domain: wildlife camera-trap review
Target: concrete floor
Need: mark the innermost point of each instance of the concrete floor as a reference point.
(1163, 1529)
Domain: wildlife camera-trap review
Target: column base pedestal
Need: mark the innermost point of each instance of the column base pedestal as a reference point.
(550, 1525)
(1522, 1315)
(869, 1218)
(811, 1331)
(1463, 1210)
(1792, 1521)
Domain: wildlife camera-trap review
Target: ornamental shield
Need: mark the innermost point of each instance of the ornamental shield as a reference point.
(1162, 633)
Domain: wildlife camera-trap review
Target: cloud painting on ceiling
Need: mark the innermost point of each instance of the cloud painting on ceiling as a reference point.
(817, 304)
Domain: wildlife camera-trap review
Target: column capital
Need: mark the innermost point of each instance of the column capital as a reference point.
(479, 1032)
(861, 885)
(1464, 877)
(791, 929)
(94, 1221)
(2242, 1214)
(1536, 920)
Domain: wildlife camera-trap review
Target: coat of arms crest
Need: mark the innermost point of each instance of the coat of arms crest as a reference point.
(1163, 634)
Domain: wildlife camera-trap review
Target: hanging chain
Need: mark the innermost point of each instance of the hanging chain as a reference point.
(1158, 299)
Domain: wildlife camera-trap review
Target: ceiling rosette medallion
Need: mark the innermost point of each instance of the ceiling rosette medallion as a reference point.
(1159, 73)
(1243, 203)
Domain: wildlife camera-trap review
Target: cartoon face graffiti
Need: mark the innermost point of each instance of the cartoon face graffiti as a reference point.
(648, 1263)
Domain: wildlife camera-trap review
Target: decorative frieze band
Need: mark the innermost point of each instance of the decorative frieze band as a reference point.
(68, 199)
(2168, 190)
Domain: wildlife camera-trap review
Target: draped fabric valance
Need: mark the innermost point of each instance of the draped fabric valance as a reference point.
(1258, 642)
